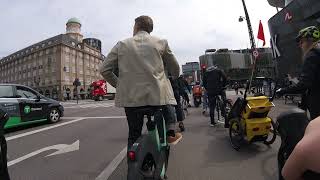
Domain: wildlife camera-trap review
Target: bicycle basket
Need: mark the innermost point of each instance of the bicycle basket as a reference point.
(257, 107)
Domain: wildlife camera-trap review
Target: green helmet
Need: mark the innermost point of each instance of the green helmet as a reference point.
(311, 32)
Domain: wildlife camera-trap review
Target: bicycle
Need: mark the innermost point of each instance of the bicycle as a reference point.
(222, 108)
(149, 155)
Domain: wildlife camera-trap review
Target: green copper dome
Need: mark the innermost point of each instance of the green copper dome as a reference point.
(74, 20)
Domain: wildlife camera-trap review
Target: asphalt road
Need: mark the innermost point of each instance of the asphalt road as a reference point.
(92, 134)
(99, 128)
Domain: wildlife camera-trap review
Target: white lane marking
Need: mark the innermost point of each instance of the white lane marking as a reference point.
(106, 173)
(104, 117)
(61, 148)
(65, 148)
(90, 106)
(57, 125)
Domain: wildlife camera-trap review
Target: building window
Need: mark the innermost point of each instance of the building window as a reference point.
(67, 60)
(67, 79)
(66, 69)
(49, 61)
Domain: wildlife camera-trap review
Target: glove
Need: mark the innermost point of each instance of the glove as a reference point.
(280, 92)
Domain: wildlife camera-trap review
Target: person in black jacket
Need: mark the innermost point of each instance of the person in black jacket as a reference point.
(214, 81)
(309, 80)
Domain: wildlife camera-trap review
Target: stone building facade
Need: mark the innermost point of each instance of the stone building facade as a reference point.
(52, 65)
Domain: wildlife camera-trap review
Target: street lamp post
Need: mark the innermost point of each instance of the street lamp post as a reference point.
(251, 37)
(252, 42)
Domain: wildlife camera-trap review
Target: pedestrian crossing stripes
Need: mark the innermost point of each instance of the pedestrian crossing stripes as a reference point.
(95, 105)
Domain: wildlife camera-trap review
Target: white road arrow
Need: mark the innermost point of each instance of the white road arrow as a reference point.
(61, 148)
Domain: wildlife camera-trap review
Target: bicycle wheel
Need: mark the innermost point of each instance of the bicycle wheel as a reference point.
(235, 134)
(161, 168)
(272, 134)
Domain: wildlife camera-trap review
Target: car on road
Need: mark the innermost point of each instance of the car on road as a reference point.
(26, 106)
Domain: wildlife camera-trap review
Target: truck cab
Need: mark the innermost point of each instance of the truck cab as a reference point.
(102, 90)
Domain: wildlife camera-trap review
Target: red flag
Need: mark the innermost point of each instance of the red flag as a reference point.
(261, 34)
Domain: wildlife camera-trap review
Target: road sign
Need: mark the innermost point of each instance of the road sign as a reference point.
(255, 53)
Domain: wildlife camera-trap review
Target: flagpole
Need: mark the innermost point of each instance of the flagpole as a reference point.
(253, 67)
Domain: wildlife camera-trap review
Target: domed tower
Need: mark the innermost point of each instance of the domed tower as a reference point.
(74, 29)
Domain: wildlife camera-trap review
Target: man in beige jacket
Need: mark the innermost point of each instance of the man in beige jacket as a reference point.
(137, 67)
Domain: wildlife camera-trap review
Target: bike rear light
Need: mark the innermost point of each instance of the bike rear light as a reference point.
(255, 129)
(268, 127)
(132, 155)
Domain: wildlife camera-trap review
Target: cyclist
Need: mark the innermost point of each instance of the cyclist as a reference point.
(185, 88)
(140, 63)
(308, 84)
(305, 154)
(214, 81)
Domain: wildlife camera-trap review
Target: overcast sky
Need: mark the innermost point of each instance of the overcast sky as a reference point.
(191, 26)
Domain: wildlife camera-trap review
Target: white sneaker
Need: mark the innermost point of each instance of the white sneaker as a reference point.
(212, 125)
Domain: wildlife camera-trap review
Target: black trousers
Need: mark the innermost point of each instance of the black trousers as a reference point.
(135, 121)
(212, 106)
(212, 98)
(178, 107)
(185, 96)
